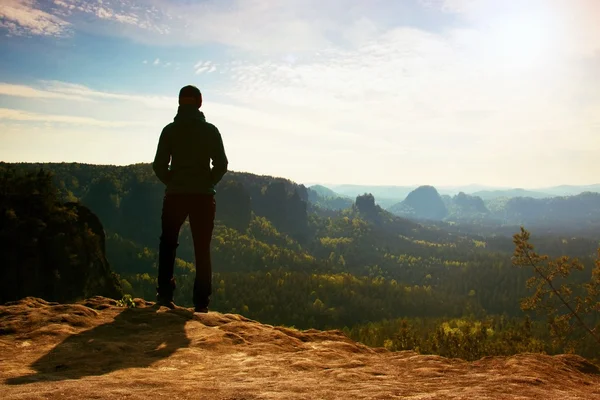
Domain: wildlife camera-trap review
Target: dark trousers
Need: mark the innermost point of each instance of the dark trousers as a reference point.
(201, 210)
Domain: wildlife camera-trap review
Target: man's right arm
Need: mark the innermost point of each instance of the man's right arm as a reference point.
(162, 158)
(219, 159)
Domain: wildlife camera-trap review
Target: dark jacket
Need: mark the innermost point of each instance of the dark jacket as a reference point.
(190, 143)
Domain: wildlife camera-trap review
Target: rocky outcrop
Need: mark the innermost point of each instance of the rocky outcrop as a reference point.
(234, 206)
(95, 349)
(48, 249)
(424, 203)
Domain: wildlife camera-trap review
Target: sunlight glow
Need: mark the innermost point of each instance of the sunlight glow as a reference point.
(526, 40)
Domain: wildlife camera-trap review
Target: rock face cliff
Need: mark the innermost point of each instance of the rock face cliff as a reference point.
(49, 249)
(424, 203)
(95, 349)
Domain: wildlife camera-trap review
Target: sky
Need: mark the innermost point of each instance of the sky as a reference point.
(379, 92)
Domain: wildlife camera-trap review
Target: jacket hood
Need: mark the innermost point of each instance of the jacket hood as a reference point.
(189, 112)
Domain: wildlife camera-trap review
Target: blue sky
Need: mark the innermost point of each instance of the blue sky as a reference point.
(442, 92)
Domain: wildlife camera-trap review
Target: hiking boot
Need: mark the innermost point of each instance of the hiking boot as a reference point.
(165, 302)
(203, 309)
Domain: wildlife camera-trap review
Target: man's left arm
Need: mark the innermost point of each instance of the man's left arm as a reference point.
(219, 159)
(162, 158)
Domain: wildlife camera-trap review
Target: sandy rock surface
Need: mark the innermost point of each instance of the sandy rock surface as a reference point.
(96, 350)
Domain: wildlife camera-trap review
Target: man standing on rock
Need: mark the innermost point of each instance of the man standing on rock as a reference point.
(189, 143)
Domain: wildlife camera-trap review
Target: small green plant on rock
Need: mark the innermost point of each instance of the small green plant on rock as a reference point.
(126, 301)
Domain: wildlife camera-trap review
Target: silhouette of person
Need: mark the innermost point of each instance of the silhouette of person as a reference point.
(189, 143)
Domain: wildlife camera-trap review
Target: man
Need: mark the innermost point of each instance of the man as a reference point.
(189, 143)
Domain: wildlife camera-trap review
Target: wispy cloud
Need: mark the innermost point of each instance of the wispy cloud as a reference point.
(433, 98)
(161, 63)
(70, 91)
(308, 26)
(7, 114)
(8, 89)
(411, 74)
(249, 25)
(205, 67)
(85, 92)
(128, 12)
(23, 17)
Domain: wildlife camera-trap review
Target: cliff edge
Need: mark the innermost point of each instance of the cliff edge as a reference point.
(95, 349)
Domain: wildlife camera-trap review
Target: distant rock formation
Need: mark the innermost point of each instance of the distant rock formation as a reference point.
(285, 209)
(424, 202)
(87, 219)
(464, 205)
(49, 249)
(234, 206)
(95, 349)
(366, 203)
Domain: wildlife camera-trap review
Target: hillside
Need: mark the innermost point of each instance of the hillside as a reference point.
(324, 191)
(94, 349)
(570, 190)
(510, 193)
(325, 198)
(129, 198)
(362, 270)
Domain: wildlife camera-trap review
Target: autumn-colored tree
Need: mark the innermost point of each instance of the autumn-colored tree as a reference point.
(569, 306)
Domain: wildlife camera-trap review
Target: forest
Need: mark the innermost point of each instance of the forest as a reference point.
(283, 255)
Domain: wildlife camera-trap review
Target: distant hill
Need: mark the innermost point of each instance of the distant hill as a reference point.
(570, 190)
(467, 207)
(325, 198)
(580, 209)
(388, 195)
(391, 194)
(553, 214)
(423, 203)
(325, 191)
(493, 194)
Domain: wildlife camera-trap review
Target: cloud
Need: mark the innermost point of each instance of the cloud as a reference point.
(126, 12)
(8, 89)
(249, 25)
(158, 62)
(442, 97)
(7, 114)
(23, 17)
(349, 114)
(205, 67)
(295, 28)
(76, 92)
(83, 91)
(567, 26)
(309, 81)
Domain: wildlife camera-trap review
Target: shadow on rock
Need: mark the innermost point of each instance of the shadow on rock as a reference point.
(136, 338)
